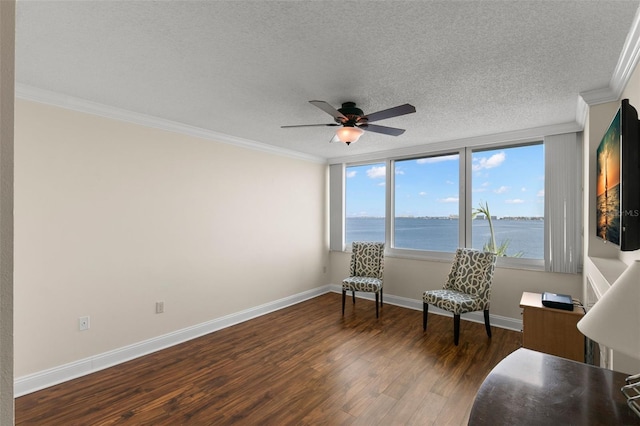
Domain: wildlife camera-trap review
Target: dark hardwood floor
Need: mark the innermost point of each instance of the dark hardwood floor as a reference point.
(303, 365)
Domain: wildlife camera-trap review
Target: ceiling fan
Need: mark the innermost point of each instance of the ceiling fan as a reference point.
(353, 122)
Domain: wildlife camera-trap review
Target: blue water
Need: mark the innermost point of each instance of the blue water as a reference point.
(526, 236)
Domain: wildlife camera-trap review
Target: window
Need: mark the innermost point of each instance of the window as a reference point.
(427, 203)
(440, 202)
(508, 185)
(365, 203)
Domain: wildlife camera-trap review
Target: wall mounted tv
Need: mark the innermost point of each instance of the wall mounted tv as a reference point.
(618, 181)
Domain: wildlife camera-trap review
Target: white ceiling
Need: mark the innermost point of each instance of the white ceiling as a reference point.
(244, 68)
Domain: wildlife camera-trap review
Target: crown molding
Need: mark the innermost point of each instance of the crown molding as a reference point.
(624, 68)
(516, 136)
(628, 58)
(599, 96)
(582, 110)
(48, 97)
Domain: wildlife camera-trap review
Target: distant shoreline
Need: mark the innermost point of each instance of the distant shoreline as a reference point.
(452, 217)
(523, 234)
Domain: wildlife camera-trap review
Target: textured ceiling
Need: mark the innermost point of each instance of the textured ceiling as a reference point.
(244, 68)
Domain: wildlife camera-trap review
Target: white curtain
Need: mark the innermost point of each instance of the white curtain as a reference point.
(336, 207)
(563, 203)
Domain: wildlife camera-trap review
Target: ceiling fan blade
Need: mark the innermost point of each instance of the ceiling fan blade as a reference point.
(335, 139)
(391, 112)
(385, 130)
(311, 125)
(329, 110)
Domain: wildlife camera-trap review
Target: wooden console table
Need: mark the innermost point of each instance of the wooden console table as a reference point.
(549, 330)
(533, 388)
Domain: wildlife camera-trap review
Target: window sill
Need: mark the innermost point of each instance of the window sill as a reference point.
(436, 256)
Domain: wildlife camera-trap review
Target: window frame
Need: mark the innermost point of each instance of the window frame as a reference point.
(465, 181)
(347, 247)
(512, 262)
(416, 253)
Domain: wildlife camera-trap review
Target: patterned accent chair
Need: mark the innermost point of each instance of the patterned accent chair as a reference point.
(367, 267)
(468, 288)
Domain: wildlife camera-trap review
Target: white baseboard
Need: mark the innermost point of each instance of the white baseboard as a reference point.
(496, 320)
(53, 376)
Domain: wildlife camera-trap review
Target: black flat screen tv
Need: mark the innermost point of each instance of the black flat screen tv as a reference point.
(617, 181)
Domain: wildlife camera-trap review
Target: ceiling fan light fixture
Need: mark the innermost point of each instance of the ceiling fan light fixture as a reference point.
(349, 134)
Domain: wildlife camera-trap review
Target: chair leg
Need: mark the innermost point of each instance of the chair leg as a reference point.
(344, 295)
(486, 322)
(377, 298)
(425, 308)
(456, 328)
(353, 296)
(380, 296)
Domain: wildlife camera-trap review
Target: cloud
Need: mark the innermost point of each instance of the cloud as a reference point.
(523, 189)
(514, 201)
(483, 188)
(449, 200)
(540, 193)
(351, 173)
(450, 182)
(422, 193)
(381, 184)
(439, 159)
(377, 172)
(399, 172)
(501, 190)
(489, 163)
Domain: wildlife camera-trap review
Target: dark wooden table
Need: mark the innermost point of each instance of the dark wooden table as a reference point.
(533, 388)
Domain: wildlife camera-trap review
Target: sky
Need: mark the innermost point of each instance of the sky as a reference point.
(510, 180)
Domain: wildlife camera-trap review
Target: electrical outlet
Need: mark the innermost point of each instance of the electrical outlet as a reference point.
(159, 307)
(83, 323)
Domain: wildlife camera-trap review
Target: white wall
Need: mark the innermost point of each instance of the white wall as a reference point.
(409, 278)
(598, 121)
(112, 217)
(600, 117)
